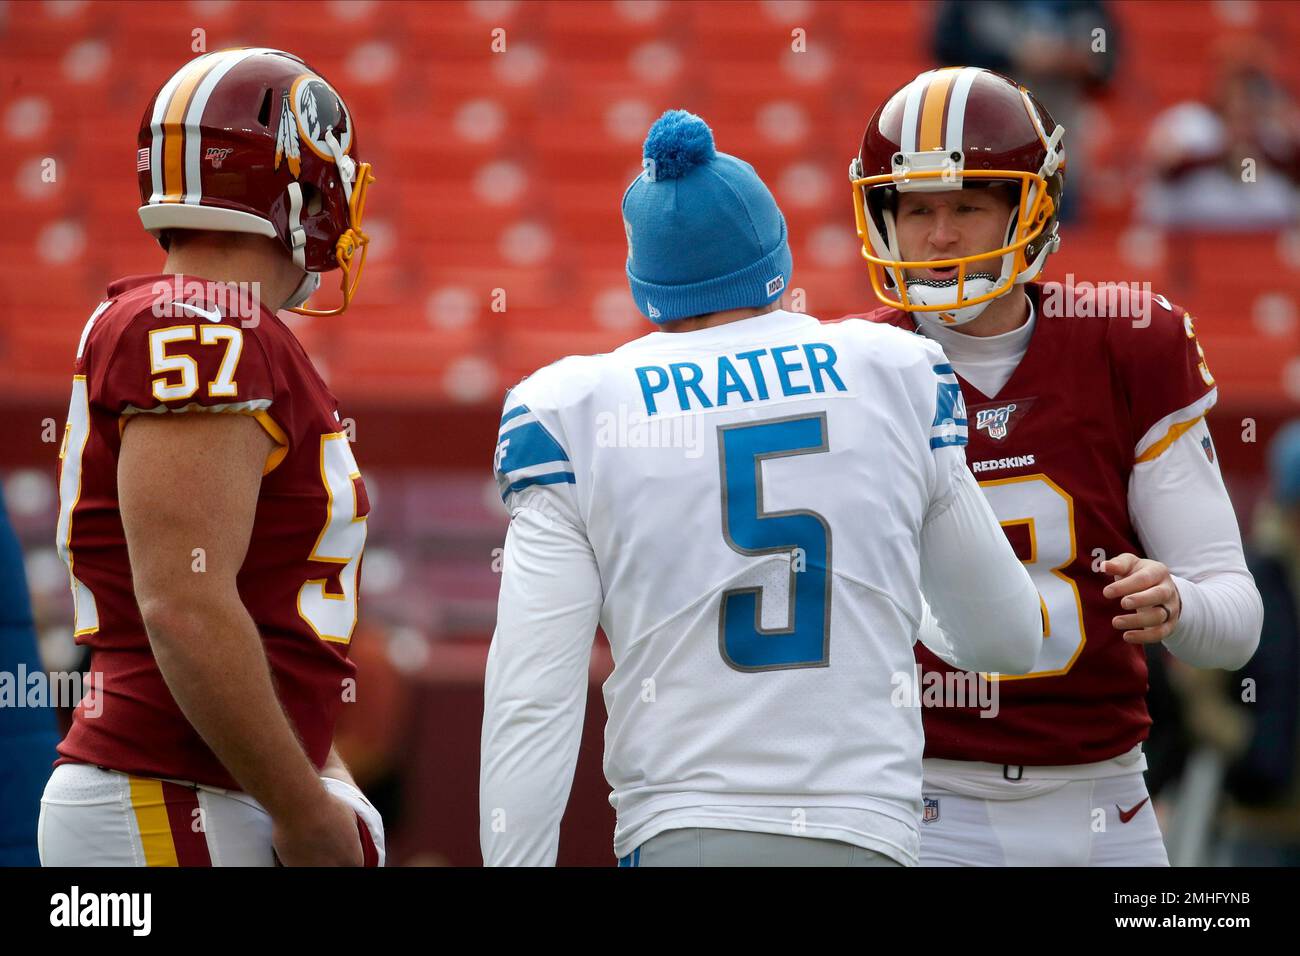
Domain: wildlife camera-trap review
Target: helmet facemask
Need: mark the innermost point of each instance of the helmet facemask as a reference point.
(1030, 236)
(356, 180)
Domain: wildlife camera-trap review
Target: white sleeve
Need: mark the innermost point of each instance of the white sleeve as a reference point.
(1184, 519)
(974, 582)
(535, 690)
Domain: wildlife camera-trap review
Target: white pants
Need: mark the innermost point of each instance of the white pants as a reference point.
(96, 817)
(701, 846)
(977, 818)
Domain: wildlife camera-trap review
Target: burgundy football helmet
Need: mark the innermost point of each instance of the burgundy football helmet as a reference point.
(254, 140)
(955, 128)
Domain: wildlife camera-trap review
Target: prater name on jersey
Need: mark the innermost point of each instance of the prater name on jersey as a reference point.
(754, 375)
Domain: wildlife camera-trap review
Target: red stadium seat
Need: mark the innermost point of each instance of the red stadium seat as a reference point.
(504, 170)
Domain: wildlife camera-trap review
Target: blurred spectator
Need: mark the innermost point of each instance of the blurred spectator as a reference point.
(1046, 45)
(1251, 718)
(1167, 743)
(27, 734)
(1262, 822)
(1198, 152)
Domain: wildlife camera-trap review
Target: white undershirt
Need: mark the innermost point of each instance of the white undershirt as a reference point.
(984, 361)
(1222, 612)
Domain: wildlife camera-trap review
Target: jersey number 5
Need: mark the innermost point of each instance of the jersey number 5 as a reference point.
(743, 641)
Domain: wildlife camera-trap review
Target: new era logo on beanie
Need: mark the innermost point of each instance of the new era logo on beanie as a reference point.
(709, 234)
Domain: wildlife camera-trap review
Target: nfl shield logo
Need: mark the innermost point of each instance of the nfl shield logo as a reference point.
(931, 810)
(995, 420)
(1209, 448)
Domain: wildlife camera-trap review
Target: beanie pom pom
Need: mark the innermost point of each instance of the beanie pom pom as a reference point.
(677, 143)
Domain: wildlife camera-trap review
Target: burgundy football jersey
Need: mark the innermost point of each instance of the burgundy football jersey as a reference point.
(1053, 451)
(300, 578)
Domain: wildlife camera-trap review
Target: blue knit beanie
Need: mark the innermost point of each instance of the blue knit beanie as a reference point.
(703, 232)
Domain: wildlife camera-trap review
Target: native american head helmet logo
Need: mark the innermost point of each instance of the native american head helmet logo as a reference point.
(311, 112)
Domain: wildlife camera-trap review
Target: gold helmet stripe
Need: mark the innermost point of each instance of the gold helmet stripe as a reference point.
(934, 108)
(173, 127)
(163, 98)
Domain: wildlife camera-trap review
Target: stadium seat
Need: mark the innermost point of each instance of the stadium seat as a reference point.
(503, 169)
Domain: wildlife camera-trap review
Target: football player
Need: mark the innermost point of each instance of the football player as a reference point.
(212, 516)
(1089, 438)
(749, 503)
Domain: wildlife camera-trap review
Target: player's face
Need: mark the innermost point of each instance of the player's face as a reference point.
(946, 225)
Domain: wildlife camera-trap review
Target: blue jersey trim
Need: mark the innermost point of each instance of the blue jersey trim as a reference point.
(553, 478)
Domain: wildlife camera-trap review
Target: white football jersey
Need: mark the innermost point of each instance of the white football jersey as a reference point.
(753, 495)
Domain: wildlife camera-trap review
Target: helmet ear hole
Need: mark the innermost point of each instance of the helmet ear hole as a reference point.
(264, 113)
(312, 203)
(878, 201)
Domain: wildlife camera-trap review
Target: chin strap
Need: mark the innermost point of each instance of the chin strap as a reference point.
(306, 289)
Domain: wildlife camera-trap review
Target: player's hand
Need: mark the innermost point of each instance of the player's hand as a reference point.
(324, 835)
(1147, 591)
(367, 816)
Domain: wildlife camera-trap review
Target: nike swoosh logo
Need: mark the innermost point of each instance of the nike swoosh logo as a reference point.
(1126, 815)
(212, 315)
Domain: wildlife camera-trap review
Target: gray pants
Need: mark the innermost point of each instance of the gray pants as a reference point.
(695, 846)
